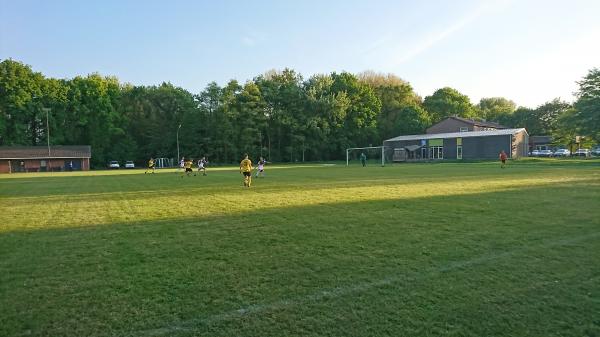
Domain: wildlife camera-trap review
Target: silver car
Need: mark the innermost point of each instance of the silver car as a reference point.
(562, 153)
(582, 153)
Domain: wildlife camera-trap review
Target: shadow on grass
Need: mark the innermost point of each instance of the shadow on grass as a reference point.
(126, 277)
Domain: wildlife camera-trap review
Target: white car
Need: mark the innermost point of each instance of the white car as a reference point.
(129, 164)
(114, 164)
(546, 153)
(535, 153)
(562, 153)
(582, 153)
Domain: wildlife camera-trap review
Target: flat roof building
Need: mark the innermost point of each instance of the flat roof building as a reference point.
(460, 145)
(44, 159)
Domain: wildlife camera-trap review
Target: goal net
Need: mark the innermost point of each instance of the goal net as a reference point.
(163, 162)
(371, 156)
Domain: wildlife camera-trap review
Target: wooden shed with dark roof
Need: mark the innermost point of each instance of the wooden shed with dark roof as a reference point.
(45, 159)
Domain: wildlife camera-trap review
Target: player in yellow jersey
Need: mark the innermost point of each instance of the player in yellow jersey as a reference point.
(246, 170)
(150, 165)
(187, 164)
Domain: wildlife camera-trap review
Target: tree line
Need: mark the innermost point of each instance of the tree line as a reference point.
(279, 114)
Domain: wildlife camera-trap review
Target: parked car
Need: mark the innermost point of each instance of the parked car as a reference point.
(582, 153)
(546, 153)
(562, 153)
(535, 153)
(596, 151)
(114, 164)
(129, 164)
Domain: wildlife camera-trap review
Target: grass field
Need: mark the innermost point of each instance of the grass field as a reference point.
(408, 250)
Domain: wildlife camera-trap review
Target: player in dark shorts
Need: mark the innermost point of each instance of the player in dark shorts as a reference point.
(188, 168)
(260, 171)
(150, 165)
(246, 170)
(202, 165)
(502, 158)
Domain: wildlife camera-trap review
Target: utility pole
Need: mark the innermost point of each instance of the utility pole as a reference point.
(47, 110)
(178, 143)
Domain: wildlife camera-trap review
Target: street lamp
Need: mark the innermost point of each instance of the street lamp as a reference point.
(178, 142)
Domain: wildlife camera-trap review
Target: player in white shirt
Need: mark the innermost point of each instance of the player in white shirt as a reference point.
(181, 164)
(202, 165)
(260, 171)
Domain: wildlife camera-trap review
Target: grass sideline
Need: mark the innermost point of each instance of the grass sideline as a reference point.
(449, 249)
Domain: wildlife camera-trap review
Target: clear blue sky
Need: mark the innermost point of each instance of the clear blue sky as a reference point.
(528, 51)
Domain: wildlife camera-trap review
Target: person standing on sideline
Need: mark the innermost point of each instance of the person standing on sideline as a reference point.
(246, 170)
(150, 165)
(502, 159)
(202, 165)
(363, 159)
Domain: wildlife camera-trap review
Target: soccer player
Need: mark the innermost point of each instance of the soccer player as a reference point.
(150, 165)
(188, 168)
(502, 159)
(363, 159)
(246, 170)
(181, 164)
(202, 165)
(261, 167)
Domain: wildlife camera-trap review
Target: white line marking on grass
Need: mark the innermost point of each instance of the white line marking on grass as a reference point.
(347, 290)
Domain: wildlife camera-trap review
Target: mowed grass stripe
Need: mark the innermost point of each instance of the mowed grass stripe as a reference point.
(122, 206)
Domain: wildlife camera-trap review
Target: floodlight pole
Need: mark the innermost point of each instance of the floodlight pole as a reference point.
(178, 142)
(47, 110)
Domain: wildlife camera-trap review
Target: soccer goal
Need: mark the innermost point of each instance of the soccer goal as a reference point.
(371, 155)
(163, 162)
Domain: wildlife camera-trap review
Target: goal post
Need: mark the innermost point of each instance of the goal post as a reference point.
(353, 153)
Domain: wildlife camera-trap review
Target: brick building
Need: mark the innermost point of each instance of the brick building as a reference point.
(37, 159)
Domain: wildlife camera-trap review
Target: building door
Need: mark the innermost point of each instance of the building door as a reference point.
(76, 164)
(459, 152)
(436, 152)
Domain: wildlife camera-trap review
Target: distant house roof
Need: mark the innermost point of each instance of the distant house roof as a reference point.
(466, 134)
(41, 152)
(482, 123)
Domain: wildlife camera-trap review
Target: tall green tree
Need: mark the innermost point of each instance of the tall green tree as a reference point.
(20, 104)
(401, 112)
(446, 102)
(284, 109)
(360, 124)
(495, 108)
(587, 106)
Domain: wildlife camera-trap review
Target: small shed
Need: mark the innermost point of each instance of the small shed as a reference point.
(45, 159)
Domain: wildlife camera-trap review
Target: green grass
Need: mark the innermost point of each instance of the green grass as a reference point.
(454, 249)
